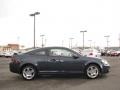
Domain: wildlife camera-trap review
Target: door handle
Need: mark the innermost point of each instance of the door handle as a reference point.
(53, 60)
(61, 60)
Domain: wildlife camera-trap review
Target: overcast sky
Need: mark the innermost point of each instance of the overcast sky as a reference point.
(60, 20)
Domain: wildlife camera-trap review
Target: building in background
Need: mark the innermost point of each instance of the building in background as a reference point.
(10, 47)
(14, 46)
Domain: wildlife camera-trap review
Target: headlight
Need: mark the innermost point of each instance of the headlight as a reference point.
(105, 62)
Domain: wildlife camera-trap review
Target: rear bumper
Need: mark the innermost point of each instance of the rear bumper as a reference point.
(14, 67)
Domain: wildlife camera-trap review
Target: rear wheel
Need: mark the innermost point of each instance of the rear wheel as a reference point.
(29, 72)
(92, 71)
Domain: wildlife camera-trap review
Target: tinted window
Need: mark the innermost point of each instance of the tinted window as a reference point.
(60, 52)
(40, 53)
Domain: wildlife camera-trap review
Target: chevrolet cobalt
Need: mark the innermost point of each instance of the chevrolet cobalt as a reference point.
(57, 60)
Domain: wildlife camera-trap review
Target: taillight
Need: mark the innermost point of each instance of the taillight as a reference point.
(90, 53)
(13, 59)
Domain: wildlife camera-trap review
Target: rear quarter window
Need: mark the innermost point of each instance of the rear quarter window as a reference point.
(40, 53)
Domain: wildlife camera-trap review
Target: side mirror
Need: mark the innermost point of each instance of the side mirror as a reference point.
(75, 56)
(15, 54)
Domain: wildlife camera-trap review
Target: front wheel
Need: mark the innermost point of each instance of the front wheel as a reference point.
(92, 71)
(29, 72)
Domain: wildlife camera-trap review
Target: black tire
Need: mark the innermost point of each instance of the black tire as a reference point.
(92, 74)
(29, 72)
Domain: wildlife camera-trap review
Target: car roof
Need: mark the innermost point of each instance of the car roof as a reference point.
(54, 47)
(45, 48)
(51, 48)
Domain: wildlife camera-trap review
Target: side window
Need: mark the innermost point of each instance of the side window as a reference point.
(40, 53)
(60, 52)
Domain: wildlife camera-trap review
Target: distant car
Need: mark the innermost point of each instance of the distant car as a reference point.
(91, 53)
(57, 60)
(118, 52)
(113, 53)
(103, 52)
(77, 50)
(8, 54)
(2, 53)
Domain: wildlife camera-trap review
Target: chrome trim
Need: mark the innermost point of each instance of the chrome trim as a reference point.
(49, 71)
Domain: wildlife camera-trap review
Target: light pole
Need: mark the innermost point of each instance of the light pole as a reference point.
(70, 42)
(107, 40)
(18, 40)
(45, 42)
(94, 45)
(90, 42)
(62, 43)
(83, 36)
(34, 14)
(119, 40)
(42, 36)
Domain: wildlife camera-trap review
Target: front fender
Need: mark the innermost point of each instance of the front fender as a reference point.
(99, 64)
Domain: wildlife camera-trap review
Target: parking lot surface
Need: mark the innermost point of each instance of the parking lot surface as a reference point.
(12, 81)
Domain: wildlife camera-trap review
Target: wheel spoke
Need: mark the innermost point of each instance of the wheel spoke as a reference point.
(32, 71)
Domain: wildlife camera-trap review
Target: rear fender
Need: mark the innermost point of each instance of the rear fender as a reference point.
(27, 64)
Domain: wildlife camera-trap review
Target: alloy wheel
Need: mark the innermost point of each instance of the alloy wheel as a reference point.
(28, 72)
(92, 71)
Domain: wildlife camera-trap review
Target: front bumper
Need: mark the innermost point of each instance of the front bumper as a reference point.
(14, 67)
(106, 69)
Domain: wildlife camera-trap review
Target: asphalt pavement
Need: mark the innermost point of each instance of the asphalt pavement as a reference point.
(12, 81)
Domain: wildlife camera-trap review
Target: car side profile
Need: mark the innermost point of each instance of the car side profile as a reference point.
(56, 60)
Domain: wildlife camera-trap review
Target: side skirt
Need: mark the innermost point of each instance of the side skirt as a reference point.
(60, 72)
